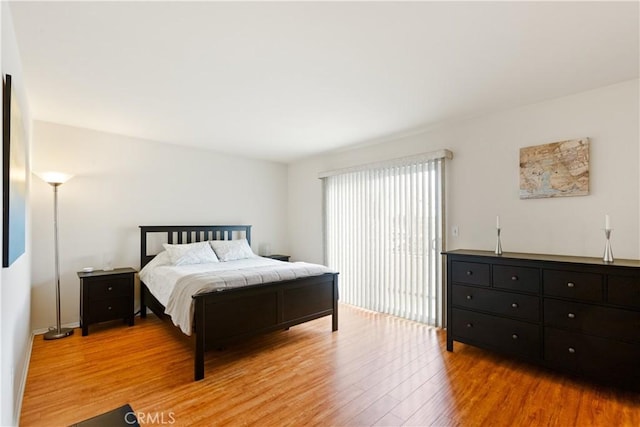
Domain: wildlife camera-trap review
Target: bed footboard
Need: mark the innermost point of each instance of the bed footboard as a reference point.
(224, 316)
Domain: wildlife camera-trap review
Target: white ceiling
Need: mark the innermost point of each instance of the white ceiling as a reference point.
(280, 81)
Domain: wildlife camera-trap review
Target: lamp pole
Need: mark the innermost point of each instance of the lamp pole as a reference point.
(58, 332)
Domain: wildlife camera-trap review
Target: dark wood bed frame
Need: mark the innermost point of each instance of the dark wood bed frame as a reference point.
(233, 314)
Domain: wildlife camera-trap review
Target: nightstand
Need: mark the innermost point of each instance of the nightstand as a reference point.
(106, 295)
(279, 257)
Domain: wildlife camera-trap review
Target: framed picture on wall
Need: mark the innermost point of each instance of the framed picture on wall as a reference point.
(558, 169)
(14, 177)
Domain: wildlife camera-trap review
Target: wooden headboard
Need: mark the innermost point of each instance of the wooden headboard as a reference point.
(177, 234)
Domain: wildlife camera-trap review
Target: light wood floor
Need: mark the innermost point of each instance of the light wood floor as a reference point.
(376, 370)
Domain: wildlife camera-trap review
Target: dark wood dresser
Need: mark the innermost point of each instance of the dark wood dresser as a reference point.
(574, 314)
(106, 295)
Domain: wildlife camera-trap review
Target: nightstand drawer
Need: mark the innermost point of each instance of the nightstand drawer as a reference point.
(512, 336)
(279, 257)
(471, 272)
(592, 319)
(109, 287)
(109, 309)
(571, 284)
(506, 303)
(523, 279)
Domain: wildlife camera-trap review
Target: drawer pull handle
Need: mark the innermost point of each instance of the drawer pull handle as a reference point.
(571, 316)
(571, 285)
(469, 272)
(469, 297)
(514, 305)
(109, 307)
(572, 350)
(469, 325)
(514, 336)
(110, 288)
(514, 278)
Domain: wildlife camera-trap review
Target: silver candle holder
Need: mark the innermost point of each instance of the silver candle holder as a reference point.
(498, 250)
(608, 253)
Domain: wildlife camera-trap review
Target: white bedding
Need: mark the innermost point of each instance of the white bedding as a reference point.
(197, 278)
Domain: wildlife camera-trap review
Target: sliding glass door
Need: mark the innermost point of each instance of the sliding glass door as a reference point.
(384, 229)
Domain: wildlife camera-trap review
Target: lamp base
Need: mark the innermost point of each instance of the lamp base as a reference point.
(55, 334)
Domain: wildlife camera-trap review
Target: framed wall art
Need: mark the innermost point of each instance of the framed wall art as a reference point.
(558, 169)
(14, 177)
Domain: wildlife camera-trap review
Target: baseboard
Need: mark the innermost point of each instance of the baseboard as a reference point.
(23, 382)
(68, 325)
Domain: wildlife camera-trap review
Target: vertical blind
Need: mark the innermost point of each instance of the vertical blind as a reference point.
(384, 231)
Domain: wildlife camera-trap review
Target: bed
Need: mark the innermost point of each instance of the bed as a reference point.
(224, 315)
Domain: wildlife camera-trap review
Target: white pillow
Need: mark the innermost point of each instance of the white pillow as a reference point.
(161, 259)
(191, 253)
(230, 250)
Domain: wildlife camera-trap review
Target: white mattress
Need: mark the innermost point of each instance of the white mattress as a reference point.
(162, 279)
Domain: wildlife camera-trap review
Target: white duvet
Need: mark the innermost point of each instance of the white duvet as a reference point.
(173, 286)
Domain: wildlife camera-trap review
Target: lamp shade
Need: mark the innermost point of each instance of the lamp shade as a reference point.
(55, 178)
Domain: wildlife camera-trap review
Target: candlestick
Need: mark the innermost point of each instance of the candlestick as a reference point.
(498, 244)
(608, 253)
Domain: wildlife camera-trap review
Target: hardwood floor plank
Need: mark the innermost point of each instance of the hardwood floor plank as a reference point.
(418, 398)
(389, 420)
(374, 412)
(376, 370)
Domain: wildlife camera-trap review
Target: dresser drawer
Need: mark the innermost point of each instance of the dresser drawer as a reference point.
(511, 336)
(109, 309)
(471, 272)
(109, 287)
(593, 355)
(525, 307)
(623, 290)
(571, 284)
(524, 279)
(592, 319)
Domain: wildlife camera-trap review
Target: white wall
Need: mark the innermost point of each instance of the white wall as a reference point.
(121, 183)
(483, 180)
(15, 295)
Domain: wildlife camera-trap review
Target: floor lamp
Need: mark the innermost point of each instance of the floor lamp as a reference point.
(56, 179)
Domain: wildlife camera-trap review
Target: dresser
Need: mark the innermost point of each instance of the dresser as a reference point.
(106, 295)
(574, 314)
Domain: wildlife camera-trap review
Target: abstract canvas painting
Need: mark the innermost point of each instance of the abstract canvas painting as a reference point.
(14, 177)
(555, 170)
